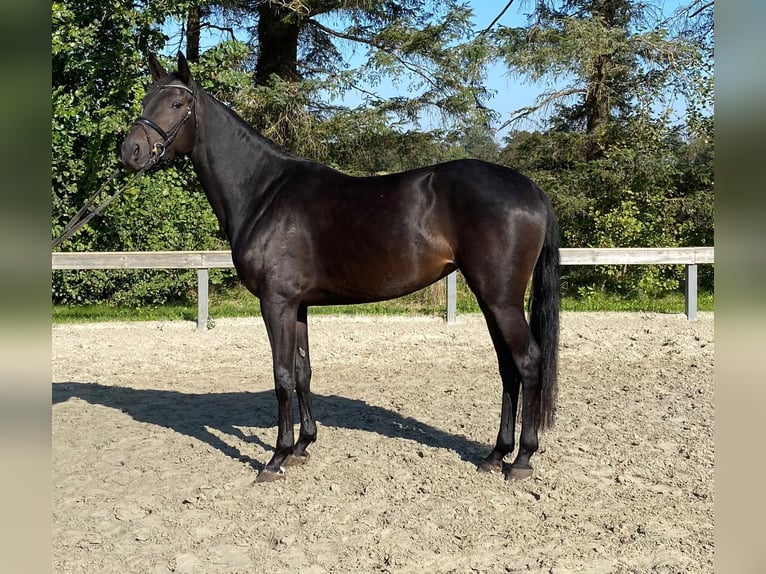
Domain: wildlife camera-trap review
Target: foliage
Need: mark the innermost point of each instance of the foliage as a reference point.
(425, 48)
(620, 172)
(94, 102)
(607, 60)
(91, 94)
(648, 189)
(620, 168)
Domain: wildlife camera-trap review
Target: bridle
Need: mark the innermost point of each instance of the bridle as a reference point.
(159, 148)
(88, 211)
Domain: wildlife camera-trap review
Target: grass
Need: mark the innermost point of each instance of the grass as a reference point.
(430, 301)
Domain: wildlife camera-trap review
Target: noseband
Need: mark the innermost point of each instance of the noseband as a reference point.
(159, 148)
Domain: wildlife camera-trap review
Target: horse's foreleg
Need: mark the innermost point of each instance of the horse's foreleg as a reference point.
(280, 318)
(308, 432)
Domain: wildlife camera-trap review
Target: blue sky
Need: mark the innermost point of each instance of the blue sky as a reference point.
(510, 93)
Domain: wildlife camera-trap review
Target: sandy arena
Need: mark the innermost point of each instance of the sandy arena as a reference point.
(159, 431)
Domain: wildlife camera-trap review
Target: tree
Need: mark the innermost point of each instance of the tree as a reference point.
(615, 163)
(95, 59)
(279, 30)
(605, 60)
(426, 46)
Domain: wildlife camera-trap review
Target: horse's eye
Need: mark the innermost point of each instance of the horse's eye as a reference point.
(177, 105)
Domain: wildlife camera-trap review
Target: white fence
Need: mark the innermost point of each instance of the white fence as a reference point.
(202, 261)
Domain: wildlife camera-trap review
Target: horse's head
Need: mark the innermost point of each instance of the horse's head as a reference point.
(168, 124)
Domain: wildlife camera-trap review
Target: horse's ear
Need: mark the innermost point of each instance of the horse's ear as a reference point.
(183, 69)
(156, 68)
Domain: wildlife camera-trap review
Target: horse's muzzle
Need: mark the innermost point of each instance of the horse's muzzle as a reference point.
(134, 153)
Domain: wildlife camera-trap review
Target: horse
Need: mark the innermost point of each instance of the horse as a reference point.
(303, 234)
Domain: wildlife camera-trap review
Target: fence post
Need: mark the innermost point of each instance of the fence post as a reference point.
(691, 292)
(452, 297)
(202, 293)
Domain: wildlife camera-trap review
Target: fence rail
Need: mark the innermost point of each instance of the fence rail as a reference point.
(202, 261)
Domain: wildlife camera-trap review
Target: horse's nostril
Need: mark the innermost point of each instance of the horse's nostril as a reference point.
(136, 151)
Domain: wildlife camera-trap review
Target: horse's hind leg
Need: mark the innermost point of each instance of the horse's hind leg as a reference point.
(308, 432)
(512, 335)
(511, 383)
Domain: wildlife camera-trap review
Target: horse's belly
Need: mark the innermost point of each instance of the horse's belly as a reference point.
(380, 277)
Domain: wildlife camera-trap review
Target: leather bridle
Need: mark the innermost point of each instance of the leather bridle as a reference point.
(159, 148)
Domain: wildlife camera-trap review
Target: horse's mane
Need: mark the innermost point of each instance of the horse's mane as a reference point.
(273, 146)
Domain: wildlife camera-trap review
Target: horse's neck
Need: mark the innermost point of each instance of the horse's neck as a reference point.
(236, 167)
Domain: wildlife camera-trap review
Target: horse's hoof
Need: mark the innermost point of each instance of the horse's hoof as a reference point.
(490, 467)
(520, 473)
(267, 475)
(297, 459)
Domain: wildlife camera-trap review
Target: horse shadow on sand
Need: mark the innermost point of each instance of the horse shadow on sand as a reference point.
(194, 414)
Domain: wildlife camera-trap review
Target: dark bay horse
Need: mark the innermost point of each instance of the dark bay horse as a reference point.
(304, 234)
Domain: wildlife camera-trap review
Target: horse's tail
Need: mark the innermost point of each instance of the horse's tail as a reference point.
(544, 319)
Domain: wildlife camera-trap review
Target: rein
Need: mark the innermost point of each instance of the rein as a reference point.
(86, 213)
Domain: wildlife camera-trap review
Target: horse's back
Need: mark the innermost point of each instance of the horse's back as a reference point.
(482, 186)
(466, 183)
